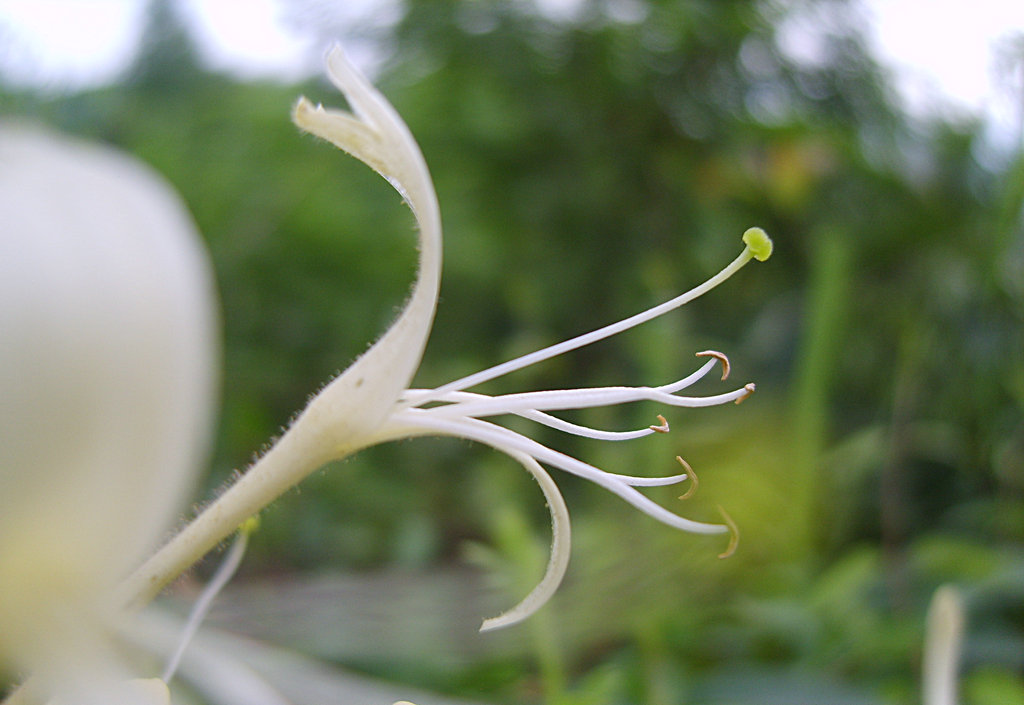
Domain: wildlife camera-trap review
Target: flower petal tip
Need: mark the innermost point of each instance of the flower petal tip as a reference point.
(303, 108)
(502, 620)
(759, 243)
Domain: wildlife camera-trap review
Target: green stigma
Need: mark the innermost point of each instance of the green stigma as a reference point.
(759, 243)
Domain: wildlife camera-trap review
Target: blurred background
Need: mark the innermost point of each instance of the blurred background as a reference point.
(593, 158)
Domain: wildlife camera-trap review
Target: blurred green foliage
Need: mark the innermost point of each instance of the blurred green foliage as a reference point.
(587, 169)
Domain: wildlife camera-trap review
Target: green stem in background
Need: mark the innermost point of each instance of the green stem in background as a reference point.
(894, 495)
(825, 312)
(658, 668)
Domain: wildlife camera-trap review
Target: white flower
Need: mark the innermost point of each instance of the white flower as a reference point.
(370, 403)
(106, 381)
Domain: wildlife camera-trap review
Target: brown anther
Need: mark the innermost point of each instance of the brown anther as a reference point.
(749, 389)
(721, 358)
(662, 427)
(691, 475)
(734, 534)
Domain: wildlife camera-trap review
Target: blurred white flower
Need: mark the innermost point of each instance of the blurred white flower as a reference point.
(106, 382)
(369, 403)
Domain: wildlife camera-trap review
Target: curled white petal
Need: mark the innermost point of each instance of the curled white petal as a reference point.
(560, 541)
(376, 134)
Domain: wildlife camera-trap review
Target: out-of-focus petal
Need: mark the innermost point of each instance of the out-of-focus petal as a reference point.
(107, 352)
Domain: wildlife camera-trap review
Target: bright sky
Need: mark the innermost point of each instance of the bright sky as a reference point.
(948, 48)
(938, 47)
(73, 43)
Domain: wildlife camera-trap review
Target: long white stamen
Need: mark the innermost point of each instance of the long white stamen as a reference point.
(565, 399)
(696, 376)
(595, 335)
(586, 431)
(494, 435)
(424, 396)
(458, 400)
(546, 419)
(634, 481)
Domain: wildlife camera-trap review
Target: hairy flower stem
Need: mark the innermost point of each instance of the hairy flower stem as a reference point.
(282, 467)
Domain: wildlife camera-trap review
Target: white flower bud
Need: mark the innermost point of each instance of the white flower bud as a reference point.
(106, 380)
